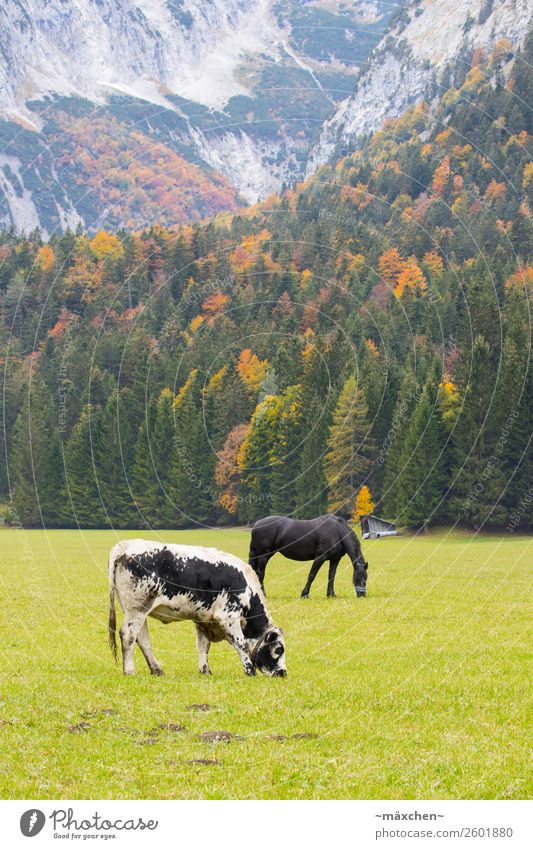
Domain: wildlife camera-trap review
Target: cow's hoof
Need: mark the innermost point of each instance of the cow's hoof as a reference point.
(157, 672)
(304, 595)
(205, 670)
(331, 595)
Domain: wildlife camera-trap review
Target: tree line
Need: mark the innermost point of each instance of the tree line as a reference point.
(365, 336)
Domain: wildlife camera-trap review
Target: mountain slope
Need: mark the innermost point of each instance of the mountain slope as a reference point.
(429, 44)
(238, 86)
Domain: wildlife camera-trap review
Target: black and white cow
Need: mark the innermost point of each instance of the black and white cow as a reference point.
(218, 592)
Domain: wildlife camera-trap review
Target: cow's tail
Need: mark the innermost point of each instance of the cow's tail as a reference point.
(112, 626)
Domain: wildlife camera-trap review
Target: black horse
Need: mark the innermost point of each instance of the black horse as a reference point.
(320, 539)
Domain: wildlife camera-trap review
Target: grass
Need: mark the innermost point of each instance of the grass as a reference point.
(418, 691)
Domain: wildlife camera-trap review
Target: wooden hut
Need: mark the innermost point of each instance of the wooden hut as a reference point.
(373, 527)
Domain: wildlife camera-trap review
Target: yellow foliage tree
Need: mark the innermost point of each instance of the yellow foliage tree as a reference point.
(251, 369)
(363, 504)
(46, 258)
(104, 245)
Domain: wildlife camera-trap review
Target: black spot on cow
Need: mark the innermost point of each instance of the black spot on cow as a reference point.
(256, 620)
(201, 580)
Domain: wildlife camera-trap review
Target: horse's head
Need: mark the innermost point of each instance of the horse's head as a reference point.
(360, 575)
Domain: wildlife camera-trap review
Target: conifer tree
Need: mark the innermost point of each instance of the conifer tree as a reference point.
(36, 463)
(351, 450)
(478, 480)
(114, 456)
(390, 452)
(152, 471)
(194, 460)
(422, 479)
(83, 505)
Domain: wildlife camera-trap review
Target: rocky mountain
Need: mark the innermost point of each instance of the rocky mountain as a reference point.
(428, 46)
(122, 113)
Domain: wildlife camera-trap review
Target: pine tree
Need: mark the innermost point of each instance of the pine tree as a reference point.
(114, 456)
(194, 460)
(255, 458)
(83, 504)
(391, 449)
(351, 450)
(152, 470)
(478, 480)
(286, 452)
(422, 479)
(36, 462)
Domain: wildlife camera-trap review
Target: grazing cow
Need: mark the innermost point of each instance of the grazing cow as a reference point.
(320, 539)
(217, 591)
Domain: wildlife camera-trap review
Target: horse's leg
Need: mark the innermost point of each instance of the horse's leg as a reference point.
(313, 572)
(260, 568)
(258, 562)
(333, 563)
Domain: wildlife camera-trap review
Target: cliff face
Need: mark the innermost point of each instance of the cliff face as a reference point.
(113, 114)
(429, 46)
(235, 87)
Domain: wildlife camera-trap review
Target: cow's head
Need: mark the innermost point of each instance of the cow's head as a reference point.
(268, 655)
(360, 576)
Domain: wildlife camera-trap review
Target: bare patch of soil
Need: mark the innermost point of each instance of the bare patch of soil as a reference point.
(80, 726)
(218, 737)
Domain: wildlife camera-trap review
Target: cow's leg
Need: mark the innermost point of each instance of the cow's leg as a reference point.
(313, 572)
(129, 632)
(235, 637)
(146, 647)
(333, 563)
(204, 643)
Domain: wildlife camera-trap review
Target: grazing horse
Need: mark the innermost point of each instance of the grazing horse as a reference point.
(320, 539)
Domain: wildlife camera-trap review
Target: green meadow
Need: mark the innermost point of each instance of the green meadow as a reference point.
(418, 691)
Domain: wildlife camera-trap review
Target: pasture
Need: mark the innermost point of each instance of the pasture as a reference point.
(418, 691)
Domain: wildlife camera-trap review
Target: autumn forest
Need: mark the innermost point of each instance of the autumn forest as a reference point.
(359, 343)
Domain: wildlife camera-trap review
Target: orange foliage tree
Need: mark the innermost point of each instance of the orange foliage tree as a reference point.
(411, 277)
(391, 265)
(227, 468)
